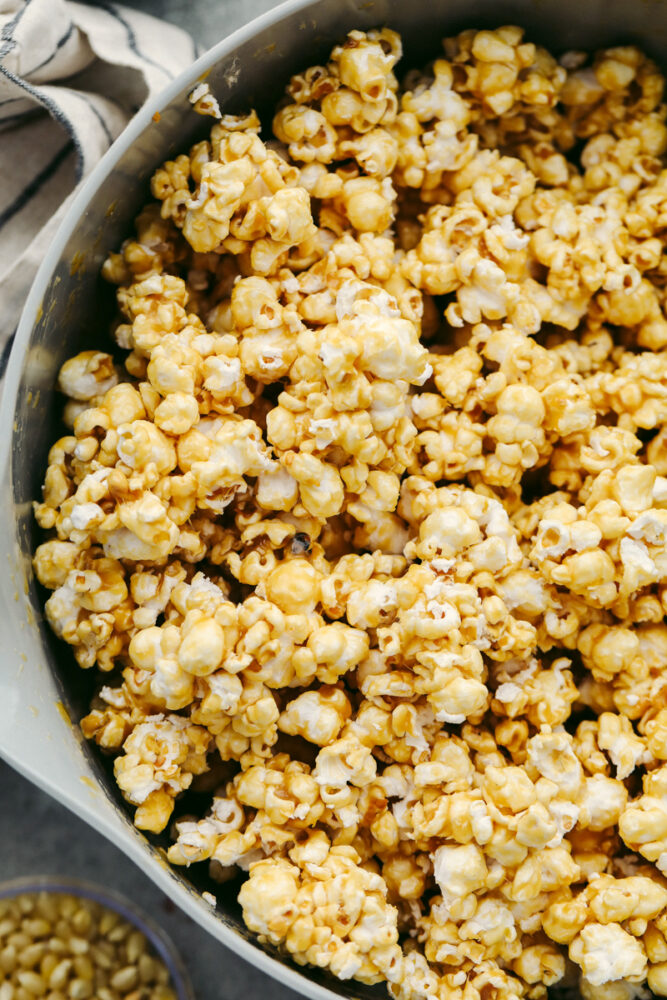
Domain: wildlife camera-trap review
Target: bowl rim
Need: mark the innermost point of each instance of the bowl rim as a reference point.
(109, 825)
(112, 900)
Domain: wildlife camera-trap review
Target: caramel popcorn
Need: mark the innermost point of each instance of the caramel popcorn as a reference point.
(364, 518)
(161, 755)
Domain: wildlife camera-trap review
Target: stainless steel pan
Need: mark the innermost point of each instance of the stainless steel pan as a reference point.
(40, 688)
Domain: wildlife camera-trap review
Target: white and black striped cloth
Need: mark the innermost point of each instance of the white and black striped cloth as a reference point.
(71, 76)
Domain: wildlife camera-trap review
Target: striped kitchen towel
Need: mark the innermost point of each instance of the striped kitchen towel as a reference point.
(71, 76)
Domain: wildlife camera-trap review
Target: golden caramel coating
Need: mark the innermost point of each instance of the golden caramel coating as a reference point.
(161, 755)
(321, 902)
(364, 520)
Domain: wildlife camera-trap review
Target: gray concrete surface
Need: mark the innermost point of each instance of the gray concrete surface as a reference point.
(37, 835)
(40, 837)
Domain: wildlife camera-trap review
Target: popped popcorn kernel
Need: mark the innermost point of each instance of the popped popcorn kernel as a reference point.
(89, 374)
(161, 756)
(606, 953)
(328, 906)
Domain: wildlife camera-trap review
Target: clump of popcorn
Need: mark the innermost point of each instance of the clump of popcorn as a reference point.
(160, 757)
(325, 909)
(363, 521)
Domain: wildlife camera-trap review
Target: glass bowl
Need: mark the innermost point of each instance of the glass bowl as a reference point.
(156, 937)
